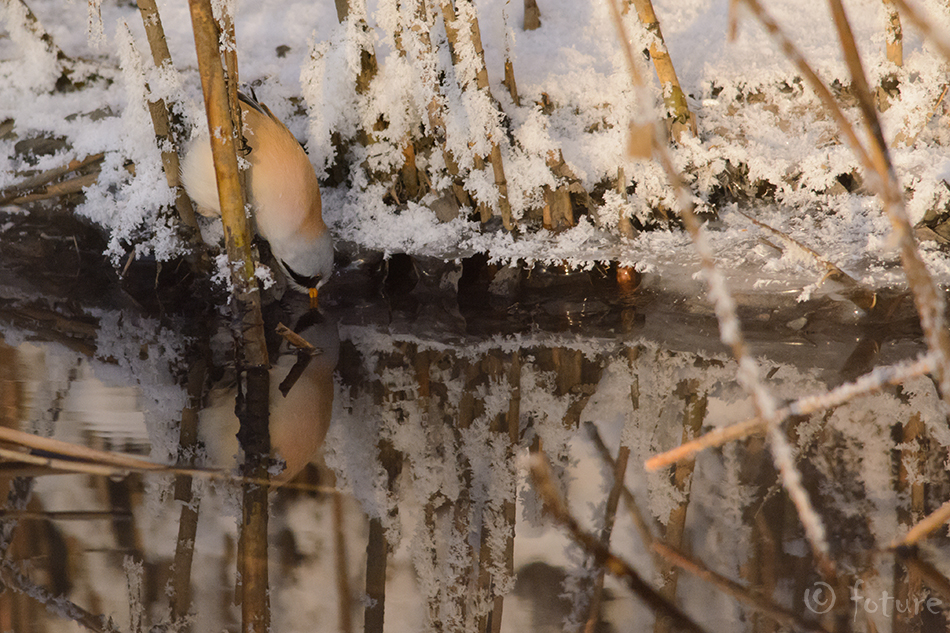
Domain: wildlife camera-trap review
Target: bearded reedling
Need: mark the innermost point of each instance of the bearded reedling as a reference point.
(283, 191)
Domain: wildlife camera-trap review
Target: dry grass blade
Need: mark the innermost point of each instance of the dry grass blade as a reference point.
(872, 381)
(34, 184)
(554, 505)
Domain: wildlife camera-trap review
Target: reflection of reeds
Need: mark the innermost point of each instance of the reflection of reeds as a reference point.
(554, 504)
(748, 374)
(694, 411)
(180, 586)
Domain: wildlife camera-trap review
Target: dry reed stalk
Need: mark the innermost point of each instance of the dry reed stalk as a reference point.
(74, 451)
(228, 47)
(32, 24)
(33, 183)
(868, 383)
(342, 9)
(296, 340)
(757, 602)
(554, 505)
(624, 224)
(924, 25)
(161, 122)
(876, 162)
(467, 589)
(233, 216)
(15, 579)
(253, 407)
(924, 527)
(636, 516)
(532, 15)
(377, 552)
(510, 83)
(418, 44)
(913, 436)
(180, 583)
(674, 98)
(929, 574)
(55, 190)
(893, 38)
(927, 296)
(748, 374)
(511, 427)
(472, 38)
(378, 548)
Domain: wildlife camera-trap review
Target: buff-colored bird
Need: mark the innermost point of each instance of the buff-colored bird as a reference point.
(283, 192)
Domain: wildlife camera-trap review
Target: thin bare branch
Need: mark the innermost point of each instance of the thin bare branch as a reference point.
(753, 599)
(554, 504)
(870, 382)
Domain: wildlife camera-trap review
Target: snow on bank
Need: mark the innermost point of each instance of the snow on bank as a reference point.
(759, 129)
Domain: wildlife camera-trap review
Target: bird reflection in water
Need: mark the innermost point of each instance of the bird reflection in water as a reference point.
(301, 401)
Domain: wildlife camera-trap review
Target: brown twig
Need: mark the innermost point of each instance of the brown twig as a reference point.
(890, 375)
(755, 600)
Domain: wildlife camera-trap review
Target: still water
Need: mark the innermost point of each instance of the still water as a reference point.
(407, 502)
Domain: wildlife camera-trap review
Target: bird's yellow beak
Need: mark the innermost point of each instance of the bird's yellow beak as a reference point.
(314, 301)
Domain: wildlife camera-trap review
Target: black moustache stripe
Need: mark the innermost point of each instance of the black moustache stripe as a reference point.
(303, 280)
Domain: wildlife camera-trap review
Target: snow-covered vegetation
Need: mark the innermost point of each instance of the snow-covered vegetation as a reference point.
(404, 142)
